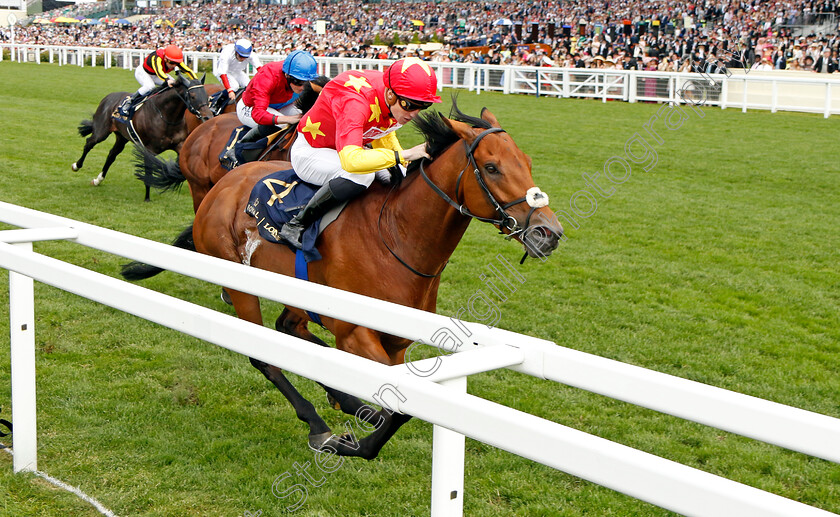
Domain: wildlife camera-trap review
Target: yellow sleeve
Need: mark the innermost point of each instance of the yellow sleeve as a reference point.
(389, 141)
(358, 160)
(157, 65)
(187, 71)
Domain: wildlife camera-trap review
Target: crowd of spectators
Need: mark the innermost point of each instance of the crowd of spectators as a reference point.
(625, 34)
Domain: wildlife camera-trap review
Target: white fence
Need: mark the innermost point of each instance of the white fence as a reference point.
(454, 413)
(774, 91)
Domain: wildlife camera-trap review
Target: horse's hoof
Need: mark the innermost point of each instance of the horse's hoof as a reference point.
(317, 441)
(343, 444)
(74, 166)
(333, 403)
(96, 181)
(226, 297)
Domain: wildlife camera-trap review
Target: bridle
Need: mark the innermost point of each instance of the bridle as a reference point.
(505, 221)
(185, 98)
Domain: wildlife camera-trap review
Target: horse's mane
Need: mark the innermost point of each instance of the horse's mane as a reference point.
(437, 133)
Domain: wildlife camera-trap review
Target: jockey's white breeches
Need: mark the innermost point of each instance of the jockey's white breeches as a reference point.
(147, 82)
(237, 80)
(318, 165)
(244, 112)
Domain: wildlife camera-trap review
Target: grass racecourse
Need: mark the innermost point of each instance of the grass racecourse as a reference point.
(719, 265)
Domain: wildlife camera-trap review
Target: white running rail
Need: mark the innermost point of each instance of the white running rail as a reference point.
(454, 413)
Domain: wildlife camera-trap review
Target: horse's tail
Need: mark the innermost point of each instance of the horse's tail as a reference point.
(134, 271)
(155, 172)
(86, 127)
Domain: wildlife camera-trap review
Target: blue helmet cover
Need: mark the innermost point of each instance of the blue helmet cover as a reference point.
(301, 65)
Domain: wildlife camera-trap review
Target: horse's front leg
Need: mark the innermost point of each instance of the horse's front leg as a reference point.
(369, 446)
(247, 307)
(119, 145)
(290, 323)
(367, 343)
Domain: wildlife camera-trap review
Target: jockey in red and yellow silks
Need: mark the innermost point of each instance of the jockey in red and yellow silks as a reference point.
(162, 61)
(154, 71)
(357, 108)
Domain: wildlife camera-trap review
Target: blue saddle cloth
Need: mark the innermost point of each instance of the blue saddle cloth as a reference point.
(274, 200)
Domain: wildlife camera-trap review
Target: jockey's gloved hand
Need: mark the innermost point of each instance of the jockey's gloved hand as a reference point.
(392, 175)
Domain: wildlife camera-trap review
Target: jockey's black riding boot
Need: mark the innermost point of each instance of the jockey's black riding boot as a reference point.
(125, 107)
(335, 192)
(254, 134)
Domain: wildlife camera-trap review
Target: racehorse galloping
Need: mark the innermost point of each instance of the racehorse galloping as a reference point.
(159, 123)
(198, 161)
(477, 171)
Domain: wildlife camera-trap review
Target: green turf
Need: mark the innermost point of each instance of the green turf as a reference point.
(718, 265)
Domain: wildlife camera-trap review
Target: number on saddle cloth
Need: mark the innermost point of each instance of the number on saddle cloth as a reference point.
(274, 200)
(244, 151)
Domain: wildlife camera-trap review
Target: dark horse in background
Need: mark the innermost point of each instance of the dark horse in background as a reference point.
(198, 162)
(159, 123)
(390, 244)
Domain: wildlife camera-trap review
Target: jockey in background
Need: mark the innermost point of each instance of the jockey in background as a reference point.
(357, 108)
(154, 71)
(269, 99)
(231, 65)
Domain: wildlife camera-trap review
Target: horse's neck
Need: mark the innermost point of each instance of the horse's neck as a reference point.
(170, 103)
(429, 227)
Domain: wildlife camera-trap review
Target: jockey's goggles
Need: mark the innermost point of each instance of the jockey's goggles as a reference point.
(412, 105)
(294, 81)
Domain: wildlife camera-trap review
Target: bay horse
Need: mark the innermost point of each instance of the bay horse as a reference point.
(477, 172)
(198, 162)
(159, 122)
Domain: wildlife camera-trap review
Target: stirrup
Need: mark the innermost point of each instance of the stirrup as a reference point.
(229, 159)
(293, 234)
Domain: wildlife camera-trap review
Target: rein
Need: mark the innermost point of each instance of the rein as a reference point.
(506, 221)
(404, 263)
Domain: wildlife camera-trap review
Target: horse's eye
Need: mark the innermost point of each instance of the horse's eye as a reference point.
(491, 169)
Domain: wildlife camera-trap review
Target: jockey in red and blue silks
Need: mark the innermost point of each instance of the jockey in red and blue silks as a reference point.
(154, 71)
(269, 99)
(355, 109)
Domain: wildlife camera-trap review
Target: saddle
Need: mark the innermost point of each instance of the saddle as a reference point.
(277, 198)
(219, 100)
(247, 151)
(117, 116)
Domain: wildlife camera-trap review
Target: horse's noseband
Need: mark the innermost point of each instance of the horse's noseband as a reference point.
(534, 197)
(195, 111)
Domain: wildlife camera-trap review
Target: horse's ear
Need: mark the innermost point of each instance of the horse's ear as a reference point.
(203, 76)
(463, 130)
(489, 117)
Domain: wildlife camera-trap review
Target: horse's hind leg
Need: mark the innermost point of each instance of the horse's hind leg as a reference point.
(119, 145)
(247, 307)
(91, 141)
(291, 324)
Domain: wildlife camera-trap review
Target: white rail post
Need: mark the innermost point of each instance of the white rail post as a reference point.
(22, 330)
(448, 465)
(827, 100)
